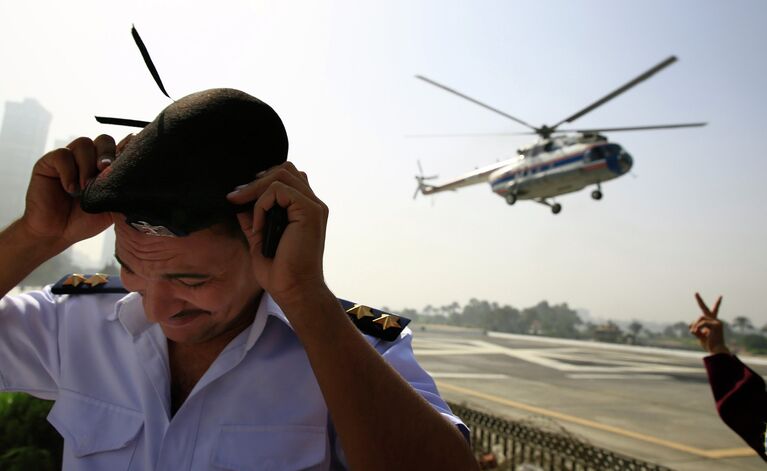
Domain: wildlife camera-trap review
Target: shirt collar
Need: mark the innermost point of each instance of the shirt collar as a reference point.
(266, 308)
(130, 312)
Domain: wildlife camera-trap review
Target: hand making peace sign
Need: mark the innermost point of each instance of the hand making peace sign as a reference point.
(708, 329)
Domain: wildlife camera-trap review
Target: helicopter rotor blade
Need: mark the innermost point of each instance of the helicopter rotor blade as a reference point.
(446, 88)
(618, 91)
(473, 134)
(420, 178)
(636, 128)
(122, 121)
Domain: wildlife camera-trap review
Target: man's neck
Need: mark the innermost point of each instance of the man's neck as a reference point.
(189, 361)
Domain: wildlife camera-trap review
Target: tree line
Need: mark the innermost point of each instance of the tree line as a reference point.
(559, 320)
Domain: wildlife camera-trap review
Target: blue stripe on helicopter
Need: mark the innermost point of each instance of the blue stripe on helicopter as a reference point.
(547, 166)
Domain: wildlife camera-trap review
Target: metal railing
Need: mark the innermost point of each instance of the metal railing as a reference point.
(517, 446)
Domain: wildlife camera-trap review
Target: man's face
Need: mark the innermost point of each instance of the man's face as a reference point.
(196, 287)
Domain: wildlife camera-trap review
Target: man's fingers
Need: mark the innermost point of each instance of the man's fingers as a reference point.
(246, 224)
(704, 322)
(715, 311)
(700, 330)
(85, 157)
(64, 168)
(285, 173)
(701, 334)
(702, 305)
(106, 149)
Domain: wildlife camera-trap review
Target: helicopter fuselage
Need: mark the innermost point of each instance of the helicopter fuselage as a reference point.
(559, 170)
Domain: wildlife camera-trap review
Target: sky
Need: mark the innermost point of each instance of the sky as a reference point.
(341, 75)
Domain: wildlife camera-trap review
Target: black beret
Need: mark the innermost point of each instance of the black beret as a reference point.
(177, 171)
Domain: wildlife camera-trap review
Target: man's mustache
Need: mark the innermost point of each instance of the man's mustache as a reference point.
(189, 312)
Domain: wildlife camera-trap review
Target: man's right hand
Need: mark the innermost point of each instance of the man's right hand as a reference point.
(708, 328)
(53, 205)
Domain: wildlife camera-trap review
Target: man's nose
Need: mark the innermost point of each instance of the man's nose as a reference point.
(160, 302)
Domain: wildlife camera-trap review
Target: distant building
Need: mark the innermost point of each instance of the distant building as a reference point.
(608, 333)
(23, 136)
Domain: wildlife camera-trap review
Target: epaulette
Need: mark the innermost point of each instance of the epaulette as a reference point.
(375, 322)
(75, 283)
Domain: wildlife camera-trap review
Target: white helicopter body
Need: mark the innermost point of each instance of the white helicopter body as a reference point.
(550, 168)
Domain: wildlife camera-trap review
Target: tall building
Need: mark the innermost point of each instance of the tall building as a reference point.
(23, 136)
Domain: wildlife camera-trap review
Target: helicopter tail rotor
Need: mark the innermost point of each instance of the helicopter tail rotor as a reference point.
(420, 178)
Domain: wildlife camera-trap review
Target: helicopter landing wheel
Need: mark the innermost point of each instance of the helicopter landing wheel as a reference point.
(511, 198)
(596, 194)
(556, 208)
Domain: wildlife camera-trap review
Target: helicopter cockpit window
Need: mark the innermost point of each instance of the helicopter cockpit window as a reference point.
(596, 153)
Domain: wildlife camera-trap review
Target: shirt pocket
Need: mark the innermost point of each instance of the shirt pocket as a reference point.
(272, 448)
(97, 434)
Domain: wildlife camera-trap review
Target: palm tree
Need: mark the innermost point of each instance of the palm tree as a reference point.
(682, 329)
(743, 324)
(636, 327)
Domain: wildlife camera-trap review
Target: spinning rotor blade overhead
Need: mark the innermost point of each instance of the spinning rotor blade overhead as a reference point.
(618, 91)
(635, 128)
(476, 134)
(446, 88)
(545, 131)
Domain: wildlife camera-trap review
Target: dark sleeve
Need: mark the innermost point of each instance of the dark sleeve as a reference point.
(740, 398)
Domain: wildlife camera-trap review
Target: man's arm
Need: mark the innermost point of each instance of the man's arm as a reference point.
(740, 398)
(20, 253)
(381, 421)
(739, 392)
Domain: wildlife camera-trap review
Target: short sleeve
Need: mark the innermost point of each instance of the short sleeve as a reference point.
(29, 352)
(399, 354)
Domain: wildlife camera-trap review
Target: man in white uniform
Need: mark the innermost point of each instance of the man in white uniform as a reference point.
(220, 357)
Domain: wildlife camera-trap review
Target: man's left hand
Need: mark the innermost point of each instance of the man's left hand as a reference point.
(296, 270)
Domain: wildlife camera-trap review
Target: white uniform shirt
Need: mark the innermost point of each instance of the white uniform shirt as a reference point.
(257, 407)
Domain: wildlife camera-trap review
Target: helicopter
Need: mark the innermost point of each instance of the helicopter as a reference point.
(561, 161)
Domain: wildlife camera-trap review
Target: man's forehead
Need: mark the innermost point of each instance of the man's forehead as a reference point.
(133, 240)
(201, 248)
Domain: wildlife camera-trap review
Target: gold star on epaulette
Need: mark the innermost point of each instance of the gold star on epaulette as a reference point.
(97, 279)
(387, 321)
(360, 311)
(75, 279)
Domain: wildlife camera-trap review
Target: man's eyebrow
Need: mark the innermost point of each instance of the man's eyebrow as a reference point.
(169, 276)
(173, 276)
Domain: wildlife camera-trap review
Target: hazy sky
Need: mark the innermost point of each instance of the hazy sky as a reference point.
(341, 76)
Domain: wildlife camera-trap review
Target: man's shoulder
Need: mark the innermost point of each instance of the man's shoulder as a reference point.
(375, 322)
(96, 283)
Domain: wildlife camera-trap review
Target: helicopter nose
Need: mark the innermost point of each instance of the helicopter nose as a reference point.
(618, 160)
(625, 162)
